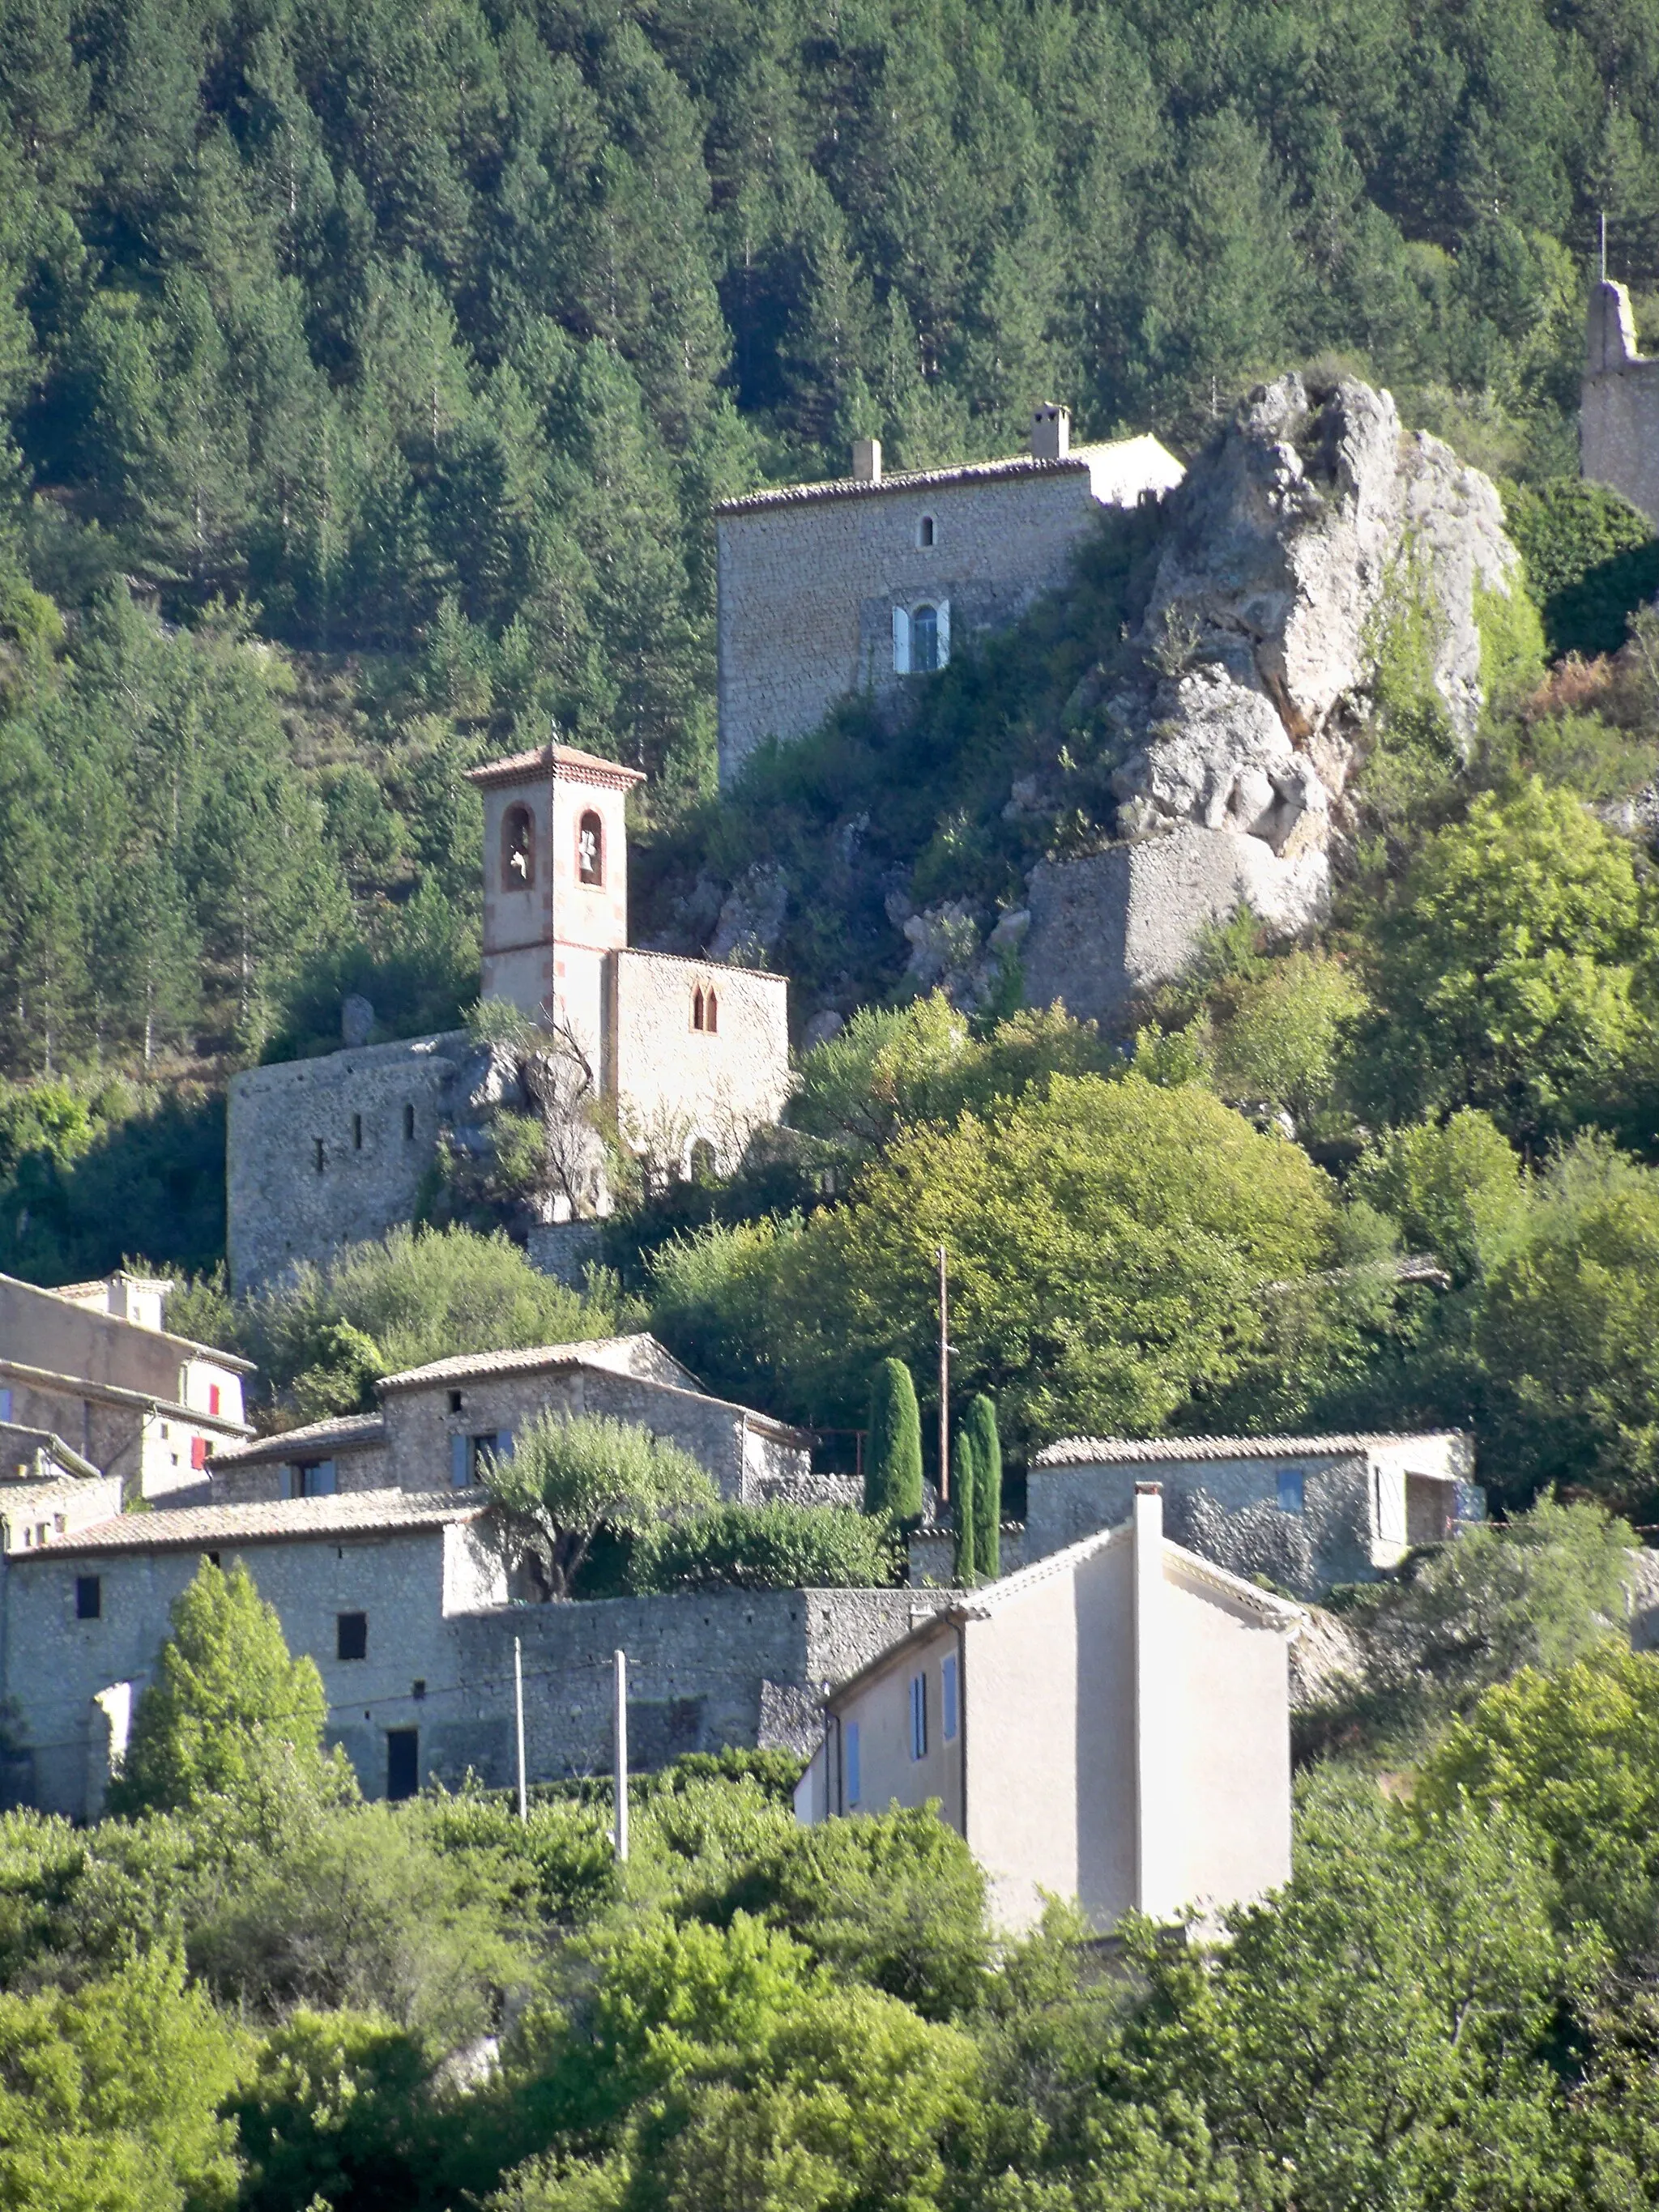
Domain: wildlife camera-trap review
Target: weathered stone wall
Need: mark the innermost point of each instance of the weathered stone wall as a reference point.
(676, 1085)
(1618, 404)
(1108, 928)
(720, 1668)
(420, 1424)
(351, 1109)
(808, 581)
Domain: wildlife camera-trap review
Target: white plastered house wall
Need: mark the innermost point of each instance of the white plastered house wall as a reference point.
(1111, 1724)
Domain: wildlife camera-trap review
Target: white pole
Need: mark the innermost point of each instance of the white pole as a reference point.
(621, 1736)
(517, 1710)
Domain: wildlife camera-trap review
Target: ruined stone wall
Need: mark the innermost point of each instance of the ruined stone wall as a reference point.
(807, 586)
(372, 1116)
(1108, 928)
(676, 1085)
(1618, 404)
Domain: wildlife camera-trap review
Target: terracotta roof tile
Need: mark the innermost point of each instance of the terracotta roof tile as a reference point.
(582, 766)
(207, 1528)
(345, 1432)
(1136, 1451)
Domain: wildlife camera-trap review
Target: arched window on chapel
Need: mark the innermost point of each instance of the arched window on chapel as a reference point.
(590, 849)
(518, 849)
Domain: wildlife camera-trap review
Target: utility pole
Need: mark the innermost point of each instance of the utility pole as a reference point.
(944, 1384)
(1604, 246)
(620, 1734)
(518, 1715)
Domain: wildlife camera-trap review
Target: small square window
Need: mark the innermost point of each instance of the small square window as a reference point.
(351, 1636)
(89, 1597)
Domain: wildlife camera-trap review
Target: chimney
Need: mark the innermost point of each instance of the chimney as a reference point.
(866, 460)
(1051, 432)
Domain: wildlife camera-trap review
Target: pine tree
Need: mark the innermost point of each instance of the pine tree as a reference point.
(965, 1490)
(892, 1481)
(979, 1432)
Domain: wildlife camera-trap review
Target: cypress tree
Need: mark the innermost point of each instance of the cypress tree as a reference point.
(979, 1429)
(892, 1481)
(964, 1490)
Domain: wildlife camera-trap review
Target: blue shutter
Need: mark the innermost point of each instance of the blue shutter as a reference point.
(460, 1468)
(947, 1698)
(322, 1483)
(854, 1779)
(5, 1404)
(900, 641)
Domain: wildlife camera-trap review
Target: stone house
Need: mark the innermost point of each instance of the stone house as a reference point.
(681, 1059)
(1305, 1511)
(47, 1491)
(1110, 1724)
(402, 1601)
(93, 1365)
(855, 585)
(434, 1424)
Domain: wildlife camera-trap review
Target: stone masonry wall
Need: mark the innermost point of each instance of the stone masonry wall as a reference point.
(1618, 404)
(676, 1085)
(803, 582)
(354, 1106)
(716, 1668)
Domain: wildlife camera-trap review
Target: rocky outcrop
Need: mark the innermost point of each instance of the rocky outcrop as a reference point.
(1310, 521)
(1311, 525)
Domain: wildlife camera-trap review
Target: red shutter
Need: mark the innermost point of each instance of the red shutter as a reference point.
(213, 1397)
(198, 1451)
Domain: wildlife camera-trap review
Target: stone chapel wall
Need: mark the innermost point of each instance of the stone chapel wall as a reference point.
(1619, 403)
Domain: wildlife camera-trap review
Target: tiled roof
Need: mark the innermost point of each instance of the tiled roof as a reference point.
(48, 1441)
(345, 1432)
(585, 767)
(613, 1353)
(207, 1528)
(1022, 464)
(1136, 1451)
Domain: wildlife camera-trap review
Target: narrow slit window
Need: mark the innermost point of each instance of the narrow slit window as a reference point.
(926, 532)
(356, 1132)
(409, 1125)
(918, 1717)
(518, 849)
(711, 1013)
(590, 849)
(318, 1155)
(697, 1008)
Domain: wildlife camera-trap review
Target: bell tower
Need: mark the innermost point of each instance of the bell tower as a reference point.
(556, 885)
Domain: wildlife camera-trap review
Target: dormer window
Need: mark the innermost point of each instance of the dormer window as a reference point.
(518, 849)
(926, 533)
(590, 850)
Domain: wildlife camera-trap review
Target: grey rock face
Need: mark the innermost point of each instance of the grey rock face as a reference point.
(1291, 539)
(1310, 524)
(751, 921)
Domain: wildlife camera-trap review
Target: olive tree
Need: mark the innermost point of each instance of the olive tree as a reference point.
(567, 1478)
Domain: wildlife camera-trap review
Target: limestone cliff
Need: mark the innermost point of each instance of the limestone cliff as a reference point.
(1299, 534)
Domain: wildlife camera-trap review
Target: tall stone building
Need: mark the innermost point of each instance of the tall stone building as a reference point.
(855, 585)
(683, 1059)
(1619, 403)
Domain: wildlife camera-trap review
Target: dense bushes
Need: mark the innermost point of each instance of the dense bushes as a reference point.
(775, 1546)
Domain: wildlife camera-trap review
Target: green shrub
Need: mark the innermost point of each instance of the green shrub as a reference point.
(1592, 559)
(774, 1546)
